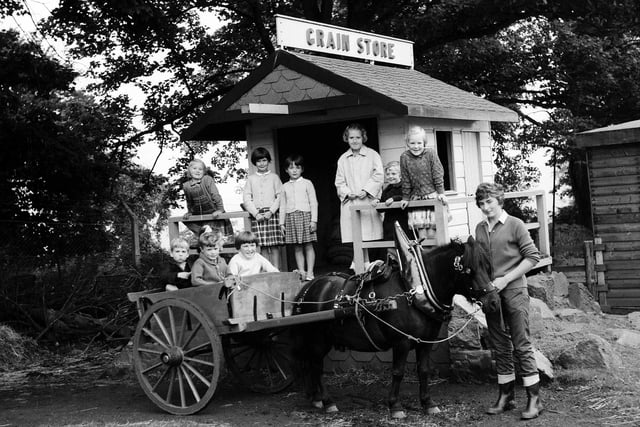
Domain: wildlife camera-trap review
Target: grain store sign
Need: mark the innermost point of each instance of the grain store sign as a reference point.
(308, 35)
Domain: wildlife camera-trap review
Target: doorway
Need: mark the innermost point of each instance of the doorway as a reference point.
(321, 145)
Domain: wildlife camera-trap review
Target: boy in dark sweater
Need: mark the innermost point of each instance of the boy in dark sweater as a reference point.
(393, 193)
(176, 274)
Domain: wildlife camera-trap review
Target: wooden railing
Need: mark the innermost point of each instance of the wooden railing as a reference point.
(442, 229)
(174, 224)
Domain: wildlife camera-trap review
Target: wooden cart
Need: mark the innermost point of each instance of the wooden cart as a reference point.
(184, 336)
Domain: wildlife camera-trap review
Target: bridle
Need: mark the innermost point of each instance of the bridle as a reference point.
(474, 294)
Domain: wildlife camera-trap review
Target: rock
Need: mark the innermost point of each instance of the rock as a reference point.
(634, 318)
(572, 315)
(540, 309)
(626, 337)
(472, 366)
(467, 338)
(544, 365)
(541, 287)
(581, 298)
(590, 352)
(560, 284)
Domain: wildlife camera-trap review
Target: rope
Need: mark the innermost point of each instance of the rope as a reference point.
(358, 303)
(420, 340)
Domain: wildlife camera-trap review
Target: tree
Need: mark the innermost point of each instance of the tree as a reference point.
(62, 158)
(577, 59)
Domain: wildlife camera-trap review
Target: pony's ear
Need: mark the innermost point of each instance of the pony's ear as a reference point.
(471, 240)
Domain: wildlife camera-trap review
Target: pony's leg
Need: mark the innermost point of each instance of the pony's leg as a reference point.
(422, 362)
(400, 353)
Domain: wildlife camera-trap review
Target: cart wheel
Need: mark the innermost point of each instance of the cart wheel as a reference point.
(177, 356)
(262, 360)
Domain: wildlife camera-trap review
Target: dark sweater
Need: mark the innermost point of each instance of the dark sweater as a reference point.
(169, 274)
(393, 191)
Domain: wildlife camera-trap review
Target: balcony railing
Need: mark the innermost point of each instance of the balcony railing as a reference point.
(442, 229)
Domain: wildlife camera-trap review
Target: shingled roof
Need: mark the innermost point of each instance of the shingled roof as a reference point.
(400, 91)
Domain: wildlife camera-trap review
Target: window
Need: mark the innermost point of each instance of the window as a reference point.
(445, 153)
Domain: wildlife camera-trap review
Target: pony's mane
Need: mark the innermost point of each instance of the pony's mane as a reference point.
(474, 253)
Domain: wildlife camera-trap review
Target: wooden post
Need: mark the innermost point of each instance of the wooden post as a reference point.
(590, 268)
(356, 237)
(543, 231)
(600, 268)
(135, 234)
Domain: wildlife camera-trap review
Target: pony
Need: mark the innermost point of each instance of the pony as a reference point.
(381, 313)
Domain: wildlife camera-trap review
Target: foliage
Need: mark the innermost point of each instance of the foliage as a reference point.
(579, 60)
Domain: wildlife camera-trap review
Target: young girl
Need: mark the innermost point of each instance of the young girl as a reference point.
(247, 261)
(261, 199)
(423, 178)
(210, 268)
(359, 179)
(299, 215)
(203, 198)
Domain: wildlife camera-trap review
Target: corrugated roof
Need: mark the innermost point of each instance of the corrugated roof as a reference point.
(407, 86)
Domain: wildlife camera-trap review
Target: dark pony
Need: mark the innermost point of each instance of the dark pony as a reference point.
(380, 315)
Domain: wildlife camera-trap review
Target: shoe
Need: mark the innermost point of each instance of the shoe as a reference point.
(310, 277)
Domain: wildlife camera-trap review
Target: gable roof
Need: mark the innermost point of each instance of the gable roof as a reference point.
(400, 91)
(622, 133)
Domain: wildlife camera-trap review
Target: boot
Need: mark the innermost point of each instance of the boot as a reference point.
(506, 399)
(534, 404)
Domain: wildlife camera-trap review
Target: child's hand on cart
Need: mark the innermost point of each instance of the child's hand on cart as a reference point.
(230, 281)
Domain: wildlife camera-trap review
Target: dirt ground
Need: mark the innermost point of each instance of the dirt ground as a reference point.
(85, 390)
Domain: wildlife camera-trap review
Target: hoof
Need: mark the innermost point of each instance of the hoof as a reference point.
(331, 409)
(434, 410)
(398, 415)
(317, 404)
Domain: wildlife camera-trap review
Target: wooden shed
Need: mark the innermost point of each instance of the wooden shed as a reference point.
(613, 161)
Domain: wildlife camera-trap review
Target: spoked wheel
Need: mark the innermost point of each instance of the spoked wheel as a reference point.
(177, 356)
(262, 360)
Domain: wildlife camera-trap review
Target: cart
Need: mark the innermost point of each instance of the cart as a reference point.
(184, 337)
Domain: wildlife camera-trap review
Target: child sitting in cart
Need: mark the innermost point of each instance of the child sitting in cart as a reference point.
(210, 268)
(177, 274)
(248, 261)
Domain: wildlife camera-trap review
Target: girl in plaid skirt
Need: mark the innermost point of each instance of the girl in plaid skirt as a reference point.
(261, 199)
(299, 215)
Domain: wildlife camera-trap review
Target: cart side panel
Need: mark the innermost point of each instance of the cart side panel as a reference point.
(208, 298)
(265, 296)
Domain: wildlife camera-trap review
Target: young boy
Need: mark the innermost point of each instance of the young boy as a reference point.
(247, 261)
(210, 268)
(392, 193)
(175, 275)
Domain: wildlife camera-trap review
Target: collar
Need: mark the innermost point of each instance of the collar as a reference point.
(501, 219)
(263, 173)
(295, 180)
(208, 261)
(363, 151)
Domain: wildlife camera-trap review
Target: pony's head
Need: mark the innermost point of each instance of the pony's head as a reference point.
(467, 267)
(475, 270)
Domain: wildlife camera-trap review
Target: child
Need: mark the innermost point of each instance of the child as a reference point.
(176, 274)
(210, 268)
(392, 193)
(247, 262)
(299, 215)
(423, 179)
(202, 199)
(261, 199)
